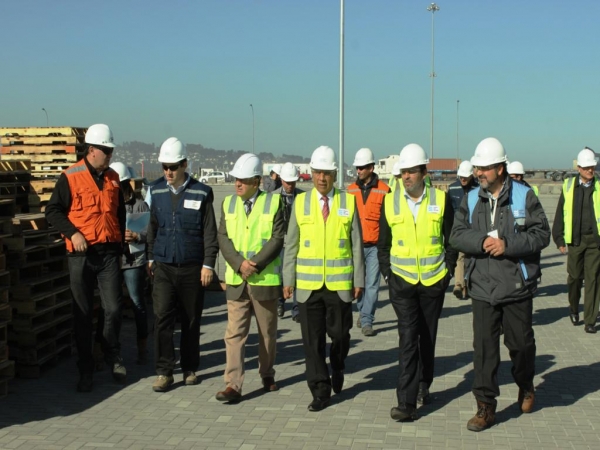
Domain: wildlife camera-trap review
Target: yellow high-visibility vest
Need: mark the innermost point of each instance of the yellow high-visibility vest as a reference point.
(250, 234)
(325, 249)
(568, 193)
(417, 253)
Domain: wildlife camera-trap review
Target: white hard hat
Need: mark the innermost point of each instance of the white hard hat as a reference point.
(121, 170)
(586, 158)
(172, 151)
(101, 135)
(515, 168)
(363, 157)
(289, 172)
(489, 151)
(465, 169)
(323, 158)
(396, 169)
(412, 155)
(276, 168)
(247, 166)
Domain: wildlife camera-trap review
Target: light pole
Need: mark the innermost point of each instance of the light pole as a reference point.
(457, 151)
(433, 8)
(341, 175)
(44, 109)
(252, 107)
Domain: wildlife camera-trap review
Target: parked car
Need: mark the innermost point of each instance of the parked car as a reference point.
(304, 177)
(214, 177)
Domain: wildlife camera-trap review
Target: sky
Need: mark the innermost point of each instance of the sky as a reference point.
(525, 72)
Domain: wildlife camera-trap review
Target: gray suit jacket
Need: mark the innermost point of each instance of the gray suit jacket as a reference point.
(291, 255)
(268, 253)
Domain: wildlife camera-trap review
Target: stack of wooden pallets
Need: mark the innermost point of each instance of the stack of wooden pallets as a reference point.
(48, 150)
(7, 367)
(39, 294)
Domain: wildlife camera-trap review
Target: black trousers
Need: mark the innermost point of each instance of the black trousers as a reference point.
(324, 312)
(85, 271)
(177, 289)
(418, 310)
(515, 319)
(583, 262)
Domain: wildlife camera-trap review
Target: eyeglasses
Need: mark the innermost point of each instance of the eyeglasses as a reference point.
(411, 171)
(327, 173)
(172, 167)
(106, 150)
(363, 167)
(485, 168)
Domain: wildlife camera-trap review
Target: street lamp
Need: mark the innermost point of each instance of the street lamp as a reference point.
(457, 151)
(341, 178)
(252, 107)
(44, 109)
(433, 8)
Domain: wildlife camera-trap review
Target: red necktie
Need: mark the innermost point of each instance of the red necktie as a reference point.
(325, 208)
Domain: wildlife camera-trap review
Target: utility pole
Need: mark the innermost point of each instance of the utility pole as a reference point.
(252, 107)
(432, 8)
(341, 174)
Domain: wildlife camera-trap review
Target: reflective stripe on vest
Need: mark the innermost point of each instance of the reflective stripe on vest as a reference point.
(250, 234)
(517, 201)
(93, 212)
(568, 193)
(417, 252)
(324, 251)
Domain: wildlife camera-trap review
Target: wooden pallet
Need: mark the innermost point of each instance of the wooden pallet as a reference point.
(7, 208)
(49, 360)
(36, 253)
(33, 221)
(43, 185)
(26, 151)
(46, 173)
(38, 354)
(36, 304)
(41, 140)
(5, 312)
(31, 287)
(21, 322)
(42, 131)
(7, 373)
(41, 158)
(22, 275)
(31, 337)
(22, 165)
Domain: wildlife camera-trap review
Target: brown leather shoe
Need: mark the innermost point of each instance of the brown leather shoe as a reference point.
(526, 400)
(228, 395)
(485, 417)
(269, 384)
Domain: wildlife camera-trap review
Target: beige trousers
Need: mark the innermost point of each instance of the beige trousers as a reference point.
(239, 317)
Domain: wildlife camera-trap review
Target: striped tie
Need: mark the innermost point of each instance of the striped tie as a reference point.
(325, 208)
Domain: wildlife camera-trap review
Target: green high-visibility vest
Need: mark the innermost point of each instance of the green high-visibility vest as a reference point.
(249, 235)
(569, 193)
(325, 249)
(417, 252)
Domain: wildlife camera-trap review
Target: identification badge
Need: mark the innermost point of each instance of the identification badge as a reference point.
(192, 204)
(343, 212)
(434, 209)
(493, 234)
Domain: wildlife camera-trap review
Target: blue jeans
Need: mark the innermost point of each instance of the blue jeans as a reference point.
(368, 302)
(134, 280)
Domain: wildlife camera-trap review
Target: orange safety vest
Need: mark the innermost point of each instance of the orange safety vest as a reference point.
(93, 212)
(370, 211)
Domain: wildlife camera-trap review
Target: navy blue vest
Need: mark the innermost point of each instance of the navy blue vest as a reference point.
(180, 233)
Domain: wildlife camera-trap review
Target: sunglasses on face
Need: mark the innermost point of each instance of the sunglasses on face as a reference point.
(172, 167)
(358, 168)
(485, 168)
(106, 150)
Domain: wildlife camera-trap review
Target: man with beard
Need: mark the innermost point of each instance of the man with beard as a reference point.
(417, 262)
(503, 228)
(369, 192)
(457, 191)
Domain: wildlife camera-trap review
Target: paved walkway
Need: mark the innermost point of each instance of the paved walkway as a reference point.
(49, 414)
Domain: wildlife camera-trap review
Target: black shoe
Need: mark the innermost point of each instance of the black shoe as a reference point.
(574, 318)
(423, 397)
(590, 329)
(318, 404)
(86, 382)
(280, 310)
(337, 381)
(296, 318)
(404, 413)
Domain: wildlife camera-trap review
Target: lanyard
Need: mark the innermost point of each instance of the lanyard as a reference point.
(493, 211)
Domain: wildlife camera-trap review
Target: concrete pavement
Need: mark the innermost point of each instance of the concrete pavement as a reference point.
(49, 414)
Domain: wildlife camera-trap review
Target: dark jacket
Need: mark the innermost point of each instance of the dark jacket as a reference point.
(558, 228)
(500, 279)
(181, 230)
(285, 206)
(457, 191)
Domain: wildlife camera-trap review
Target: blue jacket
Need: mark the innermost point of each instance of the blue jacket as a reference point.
(179, 233)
